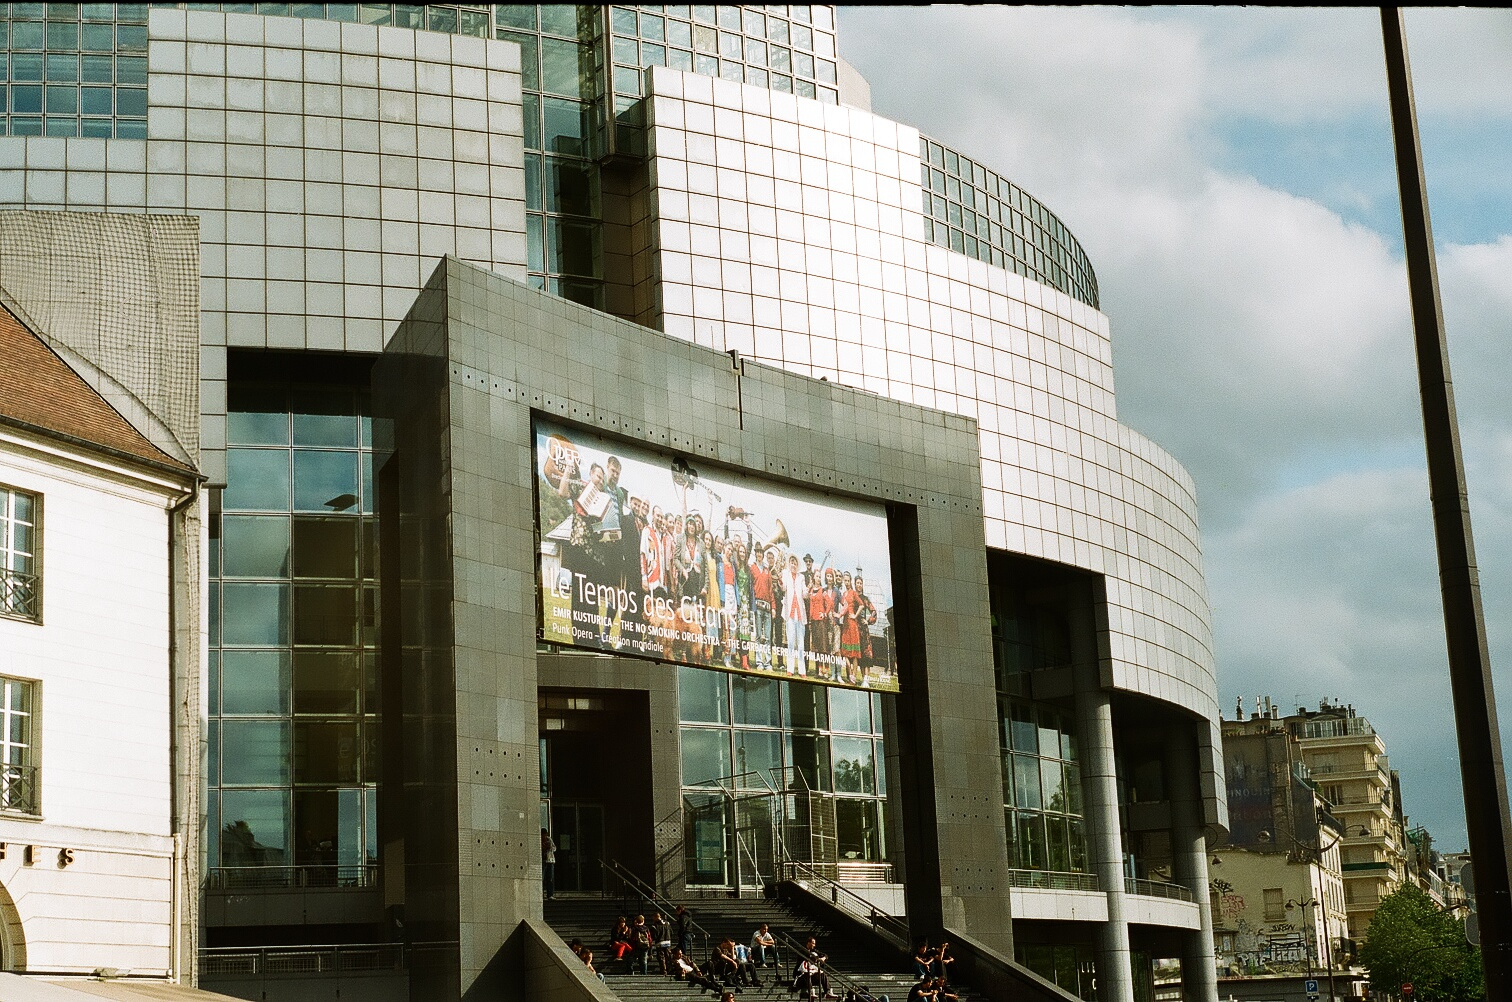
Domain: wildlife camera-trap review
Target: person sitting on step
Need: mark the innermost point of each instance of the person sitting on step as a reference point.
(809, 976)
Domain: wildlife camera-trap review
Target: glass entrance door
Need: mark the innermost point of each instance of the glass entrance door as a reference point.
(755, 835)
(578, 829)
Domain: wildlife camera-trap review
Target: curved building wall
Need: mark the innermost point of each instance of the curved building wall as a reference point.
(331, 164)
(977, 212)
(790, 231)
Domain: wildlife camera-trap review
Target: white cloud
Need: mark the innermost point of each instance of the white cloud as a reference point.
(1258, 335)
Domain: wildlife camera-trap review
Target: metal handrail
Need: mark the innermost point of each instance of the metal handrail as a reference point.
(1158, 889)
(889, 927)
(1054, 880)
(797, 952)
(255, 960)
(19, 593)
(645, 890)
(18, 788)
(320, 876)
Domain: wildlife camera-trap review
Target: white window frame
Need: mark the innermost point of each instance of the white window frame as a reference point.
(10, 608)
(20, 786)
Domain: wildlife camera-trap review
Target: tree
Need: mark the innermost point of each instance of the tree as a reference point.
(1413, 940)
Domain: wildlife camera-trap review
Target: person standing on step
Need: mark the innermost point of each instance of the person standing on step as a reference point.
(640, 945)
(682, 921)
(661, 936)
(548, 865)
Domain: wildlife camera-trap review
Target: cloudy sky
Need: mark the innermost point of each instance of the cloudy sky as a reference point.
(1230, 174)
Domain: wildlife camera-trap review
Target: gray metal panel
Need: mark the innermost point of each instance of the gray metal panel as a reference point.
(508, 352)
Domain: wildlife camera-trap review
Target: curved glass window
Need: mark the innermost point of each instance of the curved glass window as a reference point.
(989, 218)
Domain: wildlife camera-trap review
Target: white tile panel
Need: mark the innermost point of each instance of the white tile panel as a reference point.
(837, 188)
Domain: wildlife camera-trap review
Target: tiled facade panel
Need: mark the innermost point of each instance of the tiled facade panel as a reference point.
(790, 231)
(330, 164)
(508, 352)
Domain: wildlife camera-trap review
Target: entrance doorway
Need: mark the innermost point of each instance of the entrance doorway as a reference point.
(596, 778)
(579, 833)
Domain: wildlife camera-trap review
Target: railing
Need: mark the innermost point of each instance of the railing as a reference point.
(1369, 865)
(1158, 889)
(18, 788)
(839, 982)
(285, 877)
(889, 927)
(631, 883)
(258, 960)
(1337, 727)
(872, 873)
(1054, 881)
(19, 594)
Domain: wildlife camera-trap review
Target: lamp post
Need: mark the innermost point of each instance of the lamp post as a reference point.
(1318, 848)
(1487, 819)
(1307, 906)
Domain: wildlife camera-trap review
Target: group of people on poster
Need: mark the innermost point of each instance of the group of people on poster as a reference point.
(664, 583)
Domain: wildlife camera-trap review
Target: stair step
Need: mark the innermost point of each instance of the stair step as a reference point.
(590, 920)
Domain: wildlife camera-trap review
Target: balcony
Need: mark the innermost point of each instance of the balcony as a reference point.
(259, 960)
(20, 595)
(18, 788)
(1382, 866)
(1045, 880)
(1336, 727)
(1157, 889)
(223, 878)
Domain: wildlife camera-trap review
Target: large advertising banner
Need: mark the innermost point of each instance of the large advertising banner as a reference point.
(643, 555)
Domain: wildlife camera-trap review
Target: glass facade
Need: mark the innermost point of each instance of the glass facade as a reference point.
(81, 70)
(562, 181)
(975, 212)
(293, 729)
(781, 47)
(1042, 792)
(757, 740)
(73, 69)
(1070, 966)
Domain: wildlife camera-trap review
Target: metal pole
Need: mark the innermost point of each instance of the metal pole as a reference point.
(1328, 947)
(1480, 753)
(1322, 895)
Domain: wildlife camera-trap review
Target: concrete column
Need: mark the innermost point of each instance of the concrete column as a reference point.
(1189, 864)
(1094, 739)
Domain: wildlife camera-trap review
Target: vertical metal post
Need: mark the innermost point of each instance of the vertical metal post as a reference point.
(1480, 753)
(1328, 946)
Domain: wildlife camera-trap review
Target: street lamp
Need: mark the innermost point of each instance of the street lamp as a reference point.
(1267, 835)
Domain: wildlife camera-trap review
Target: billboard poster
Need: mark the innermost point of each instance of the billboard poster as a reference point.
(643, 555)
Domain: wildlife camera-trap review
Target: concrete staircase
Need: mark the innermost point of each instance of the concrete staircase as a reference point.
(853, 957)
